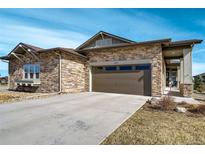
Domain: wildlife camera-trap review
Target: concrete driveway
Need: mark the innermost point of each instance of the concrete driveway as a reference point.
(83, 118)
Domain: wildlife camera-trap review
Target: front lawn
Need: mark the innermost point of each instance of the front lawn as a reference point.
(13, 96)
(151, 126)
(6, 97)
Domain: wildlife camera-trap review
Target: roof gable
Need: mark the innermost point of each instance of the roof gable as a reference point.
(20, 49)
(91, 43)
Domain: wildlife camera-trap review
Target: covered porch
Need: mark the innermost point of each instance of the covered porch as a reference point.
(178, 67)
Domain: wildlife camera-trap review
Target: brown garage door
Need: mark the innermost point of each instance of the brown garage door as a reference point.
(122, 79)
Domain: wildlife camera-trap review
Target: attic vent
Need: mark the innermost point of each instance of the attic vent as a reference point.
(104, 42)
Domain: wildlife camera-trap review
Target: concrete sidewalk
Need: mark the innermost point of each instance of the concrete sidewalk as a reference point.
(83, 118)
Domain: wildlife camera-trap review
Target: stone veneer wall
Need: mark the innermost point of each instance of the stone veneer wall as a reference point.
(49, 64)
(186, 90)
(74, 73)
(151, 51)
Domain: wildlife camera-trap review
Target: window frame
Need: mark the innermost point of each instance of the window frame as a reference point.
(28, 67)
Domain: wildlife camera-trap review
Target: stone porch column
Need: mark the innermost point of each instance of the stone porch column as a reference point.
(186, 87)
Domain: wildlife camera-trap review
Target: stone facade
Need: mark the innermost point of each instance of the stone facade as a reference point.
(149, 51)
(73, 74)
(186, 90)
(49, 71)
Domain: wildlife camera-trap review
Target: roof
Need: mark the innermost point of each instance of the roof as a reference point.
(27, 46)
(108, 34)
(202, 74)
(35, 48)
(41, 50)
(184, 42)
(69, 50)
(161, 41)
(166, 43)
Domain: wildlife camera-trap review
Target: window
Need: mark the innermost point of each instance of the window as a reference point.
(125, 68)
(111, 68)
(104, 42)
(143, 67)
(37, 71)
(31, 71)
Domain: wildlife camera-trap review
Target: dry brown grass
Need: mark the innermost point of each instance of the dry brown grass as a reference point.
(152, 126)
(6, 97)
(12, 96)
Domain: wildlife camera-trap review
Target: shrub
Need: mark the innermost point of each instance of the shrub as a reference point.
(197, 108)
(201, 109)
(167, 103)
(198, 84)
(191, 106)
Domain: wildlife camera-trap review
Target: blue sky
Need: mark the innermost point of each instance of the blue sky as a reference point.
(70, 27)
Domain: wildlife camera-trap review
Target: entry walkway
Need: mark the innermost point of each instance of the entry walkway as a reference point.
(178, 97)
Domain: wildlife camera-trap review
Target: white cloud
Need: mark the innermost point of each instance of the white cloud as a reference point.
(198, 68)
(40, 37)
(11, 35)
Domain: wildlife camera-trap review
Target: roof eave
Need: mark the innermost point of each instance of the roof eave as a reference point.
(184, 43)
(4, 58)
(61, 49)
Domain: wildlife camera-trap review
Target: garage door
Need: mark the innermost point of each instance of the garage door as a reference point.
(130, 79)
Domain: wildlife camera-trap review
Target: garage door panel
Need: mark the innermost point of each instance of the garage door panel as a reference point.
(127, 83)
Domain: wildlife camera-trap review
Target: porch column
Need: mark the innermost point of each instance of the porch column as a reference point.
(178, 76)
(181, 70)
(187, 66)
(186, 73)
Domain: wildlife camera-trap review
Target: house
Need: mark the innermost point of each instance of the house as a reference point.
(3, 80)
(104, 63)
(201, 76)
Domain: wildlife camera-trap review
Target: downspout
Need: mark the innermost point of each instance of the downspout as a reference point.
(60, 80)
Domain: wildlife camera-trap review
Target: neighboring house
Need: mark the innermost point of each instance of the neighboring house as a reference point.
(104, 63)
(201, 76)
(4, 80)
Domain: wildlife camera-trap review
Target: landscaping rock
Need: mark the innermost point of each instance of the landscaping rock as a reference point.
(181, 109)
(154, 101)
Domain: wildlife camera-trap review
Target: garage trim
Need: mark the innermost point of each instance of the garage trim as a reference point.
(122, 62)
